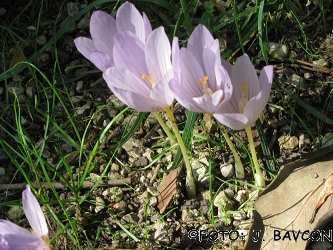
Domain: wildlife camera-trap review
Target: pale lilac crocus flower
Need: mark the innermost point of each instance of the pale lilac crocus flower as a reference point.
(142, 71)
(103, 27)
(204, 85)
(250, 94)
(249, 98)
(13, 237)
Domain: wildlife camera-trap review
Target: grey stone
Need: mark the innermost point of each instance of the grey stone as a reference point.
(72, 8)
(15, 213)
(100, 204)
(327, 140)
(278, 50)
(227, 170)
(115, 193)
(131, 218)
(41, 40)
(321, 62)
(223, 203)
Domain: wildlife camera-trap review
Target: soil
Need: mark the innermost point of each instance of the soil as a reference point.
(138, 204)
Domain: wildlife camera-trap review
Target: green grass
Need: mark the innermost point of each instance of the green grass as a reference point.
(32, 128)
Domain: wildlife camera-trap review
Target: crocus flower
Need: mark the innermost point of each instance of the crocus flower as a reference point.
(103, 27)
(13, 237)
(250, 94)
(142, 71)
(203, 85)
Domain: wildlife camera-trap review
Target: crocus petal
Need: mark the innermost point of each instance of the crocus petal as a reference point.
(183, 96)
(124, 79)
(128, 18)
(191, 73)
(234, 121)
(147, 25)
(199, 38)
(210, 103)
(175, 58)
(7, 227)
(135, 101)
(226, 65)
(102, 30)
(101, 60)
(22, 242)
(256, 105)
(243, 71)
(34, 213)
(85, 46)
(211, 57)
(161, 94)
(157, 53)
(128, 53)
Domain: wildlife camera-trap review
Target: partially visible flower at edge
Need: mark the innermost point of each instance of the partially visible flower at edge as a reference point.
(13, 237)
(142, 71)
(250, 94)
(103, 27)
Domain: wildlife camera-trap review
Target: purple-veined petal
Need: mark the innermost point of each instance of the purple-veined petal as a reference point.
(175, 55)
(101, 60)
(135, 101)
(227, 66)
(199, 38)
(184, 96)
(234, 121)
(211, 62)
(7, 227)
(22, 242)
(102, 30)
(191, 72)
(34, 213)
(209, 103)
(161, 94)
(147, 25)
(243, 72)
(128, 53)
(158, 53)
(124, 79)
(85, 46)
(256, 105)
(128, 18)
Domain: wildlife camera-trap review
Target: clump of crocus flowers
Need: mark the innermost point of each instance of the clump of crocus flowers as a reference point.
(147, 73)
(13, 237)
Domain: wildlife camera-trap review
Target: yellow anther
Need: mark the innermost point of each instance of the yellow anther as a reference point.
(46, 239)
(150, 78)
(243, 101)
(204, 82)
(244, 89)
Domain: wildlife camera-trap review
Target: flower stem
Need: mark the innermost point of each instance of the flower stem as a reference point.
(259, 178)
(190, 184)
(165, 127)
(239, 169)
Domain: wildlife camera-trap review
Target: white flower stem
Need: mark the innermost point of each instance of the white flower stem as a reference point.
(165, 128)
(259, 178)
(190, 184)
(239, 169)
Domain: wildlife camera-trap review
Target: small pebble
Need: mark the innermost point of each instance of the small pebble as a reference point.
(72, 8)
(227, 170)
(41, 40)
(278, 50)
(327, 140)
(321, 62)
